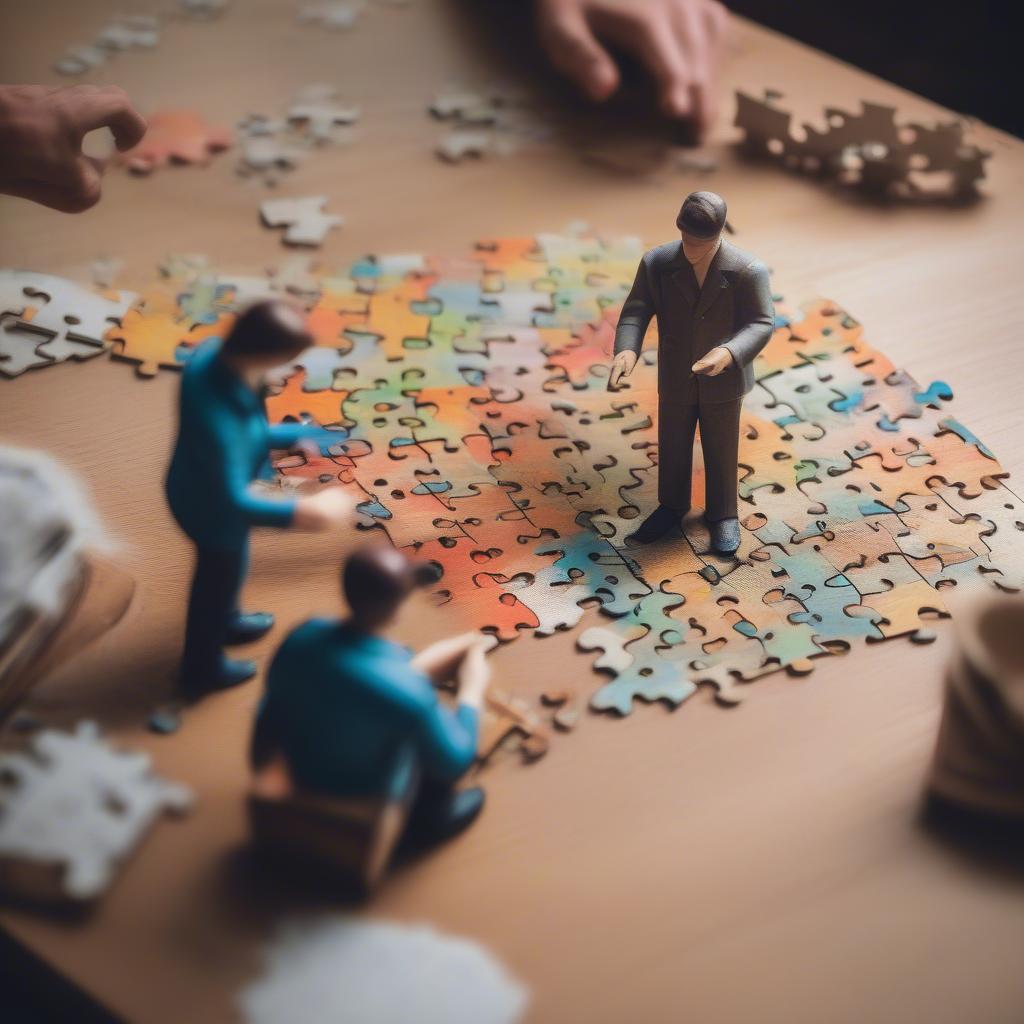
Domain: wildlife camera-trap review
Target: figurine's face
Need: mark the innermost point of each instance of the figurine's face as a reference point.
(695, 249)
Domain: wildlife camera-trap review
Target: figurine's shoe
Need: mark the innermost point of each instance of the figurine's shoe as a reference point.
(231, 673)
(725, 535)
(247, 627)
(444, 818)
(657, 524)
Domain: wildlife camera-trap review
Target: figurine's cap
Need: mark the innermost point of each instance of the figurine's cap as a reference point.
(702, 215)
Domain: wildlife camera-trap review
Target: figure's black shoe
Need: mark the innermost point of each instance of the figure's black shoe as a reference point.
(443, 818)
(247, 627)
(725, 535)
(657, 524)
(231, 673)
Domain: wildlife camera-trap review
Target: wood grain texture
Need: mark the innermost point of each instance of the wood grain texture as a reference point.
(764, 863)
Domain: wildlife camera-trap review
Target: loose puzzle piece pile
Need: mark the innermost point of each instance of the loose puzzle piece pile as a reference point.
(496, 120)
(468, 400)
(868, 150)
(124, 32)
(316, 116)
(74, 806)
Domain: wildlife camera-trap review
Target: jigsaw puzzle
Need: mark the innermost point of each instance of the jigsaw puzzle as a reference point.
(176, 136)
(71, 809)
(124, 32)
(315, 117)
(304, 219)
(339, 14)
(867, 150)
(496, 120)
(475, 427)
(46, 319)
(473, 424)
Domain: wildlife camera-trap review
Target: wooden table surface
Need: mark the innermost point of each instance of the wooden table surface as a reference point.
(765, 863)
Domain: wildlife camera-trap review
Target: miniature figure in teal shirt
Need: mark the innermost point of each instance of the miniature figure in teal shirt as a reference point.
(223, 443)
(346, 707)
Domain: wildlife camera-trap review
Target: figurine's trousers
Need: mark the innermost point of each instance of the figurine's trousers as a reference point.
(720, 440)
(212, 605)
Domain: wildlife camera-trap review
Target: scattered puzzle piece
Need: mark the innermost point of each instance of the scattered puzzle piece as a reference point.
(176, 136)
(72, 809)
(304, 219)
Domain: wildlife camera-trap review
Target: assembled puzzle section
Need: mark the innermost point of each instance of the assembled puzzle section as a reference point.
(467, 399)
(475, 427)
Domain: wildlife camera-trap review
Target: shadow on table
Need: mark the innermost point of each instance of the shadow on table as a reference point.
(265, 884)
(996, 845)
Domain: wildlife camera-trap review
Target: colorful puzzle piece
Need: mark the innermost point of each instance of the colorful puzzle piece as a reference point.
(176, 136)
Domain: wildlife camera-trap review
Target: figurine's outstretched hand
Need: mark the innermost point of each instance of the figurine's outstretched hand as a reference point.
(717, 361)
(678, 41)
(622, 367)
(474, 674)
(328, 508)
(41, 132)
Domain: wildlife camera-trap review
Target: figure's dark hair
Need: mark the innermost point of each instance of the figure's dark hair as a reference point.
(271, 327)
(702, 214)
(377, 578)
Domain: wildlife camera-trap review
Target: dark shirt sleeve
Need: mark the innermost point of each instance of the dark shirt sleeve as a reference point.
(636, 314)
(446, 740)
(219, 449)
(287, 435)
(755, 313)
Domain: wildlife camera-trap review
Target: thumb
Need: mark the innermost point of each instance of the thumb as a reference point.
(574, 50)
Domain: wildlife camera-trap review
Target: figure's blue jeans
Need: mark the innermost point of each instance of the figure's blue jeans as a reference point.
(212, 605)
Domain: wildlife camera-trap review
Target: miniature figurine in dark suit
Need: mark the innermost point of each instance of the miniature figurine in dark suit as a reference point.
(223, 442)
(713, 303)
(355, 715)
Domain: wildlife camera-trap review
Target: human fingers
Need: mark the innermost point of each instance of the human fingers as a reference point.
(91, 107)
(648, 32)
(696, 25)
(573, 48)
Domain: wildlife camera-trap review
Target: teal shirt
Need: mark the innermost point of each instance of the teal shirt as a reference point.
(222, 446)
(343, 706)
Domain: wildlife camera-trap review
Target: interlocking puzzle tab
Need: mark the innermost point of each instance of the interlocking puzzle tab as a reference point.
(868, 149)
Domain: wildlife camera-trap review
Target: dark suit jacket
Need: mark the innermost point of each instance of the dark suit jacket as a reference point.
(734, 309)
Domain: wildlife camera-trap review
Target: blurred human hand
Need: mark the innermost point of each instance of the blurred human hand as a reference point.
(41, 132)
(678, 41)
(474, 675)
(331, 507)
